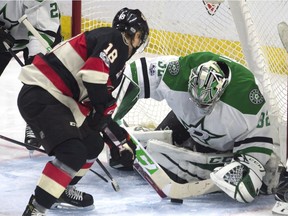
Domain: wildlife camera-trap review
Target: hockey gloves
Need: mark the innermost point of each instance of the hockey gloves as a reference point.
(6, 37)
(122, 149)
(100, 117)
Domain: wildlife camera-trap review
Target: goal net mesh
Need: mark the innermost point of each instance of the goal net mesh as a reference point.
(183, 27)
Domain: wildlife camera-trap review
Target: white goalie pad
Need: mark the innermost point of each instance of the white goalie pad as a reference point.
(143, 135)
(186, 154)
(241, 180)
(184, 163)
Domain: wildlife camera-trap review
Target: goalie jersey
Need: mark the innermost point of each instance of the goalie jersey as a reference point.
(239, 121)
(44, 15)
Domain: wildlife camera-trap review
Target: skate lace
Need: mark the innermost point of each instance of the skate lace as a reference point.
(73, 193)
(29, 132)
(35, 212)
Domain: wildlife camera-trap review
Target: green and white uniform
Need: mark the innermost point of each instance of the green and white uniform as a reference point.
(239, 121)
(44, 15)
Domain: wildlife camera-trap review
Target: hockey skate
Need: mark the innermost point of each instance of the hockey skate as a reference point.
(281, 195)
(31, 139)
(74, 199)
(31, 209)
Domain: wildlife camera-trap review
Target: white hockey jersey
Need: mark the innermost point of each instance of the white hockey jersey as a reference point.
(239, 121)
(44, 15)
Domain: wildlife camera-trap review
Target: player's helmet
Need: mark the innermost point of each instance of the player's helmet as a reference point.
(130, 21)
(207, 83)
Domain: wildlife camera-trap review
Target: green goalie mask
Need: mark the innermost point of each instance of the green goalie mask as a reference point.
(207, 83)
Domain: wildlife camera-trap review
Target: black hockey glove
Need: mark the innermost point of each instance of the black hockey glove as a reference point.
(6, 37)
(100, 117)
(122, 149)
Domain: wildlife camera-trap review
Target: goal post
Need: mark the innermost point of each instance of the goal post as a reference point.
(244, 30)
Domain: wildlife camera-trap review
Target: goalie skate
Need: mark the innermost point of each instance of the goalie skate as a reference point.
(281, 194)
(280, 208)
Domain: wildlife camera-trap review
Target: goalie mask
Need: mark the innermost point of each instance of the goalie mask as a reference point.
(130, 21)
(207, 83)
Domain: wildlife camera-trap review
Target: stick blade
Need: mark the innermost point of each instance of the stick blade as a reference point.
(283, 34)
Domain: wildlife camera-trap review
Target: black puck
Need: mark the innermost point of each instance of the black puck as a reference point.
(180, 201)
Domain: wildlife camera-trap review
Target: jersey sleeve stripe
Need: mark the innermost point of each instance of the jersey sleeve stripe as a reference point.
(145, 78)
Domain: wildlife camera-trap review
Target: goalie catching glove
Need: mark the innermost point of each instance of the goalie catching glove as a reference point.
(6, 37)
(241, 179)
(122, 149)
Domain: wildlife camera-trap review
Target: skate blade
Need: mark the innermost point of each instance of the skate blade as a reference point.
(67, 206)
(280, 208)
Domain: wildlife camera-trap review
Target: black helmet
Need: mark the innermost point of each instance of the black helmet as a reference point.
(130, 21)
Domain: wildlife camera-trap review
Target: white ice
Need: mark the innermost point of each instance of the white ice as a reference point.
(19, 174)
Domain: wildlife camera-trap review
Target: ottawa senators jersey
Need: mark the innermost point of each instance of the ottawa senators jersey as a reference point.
(96, 57)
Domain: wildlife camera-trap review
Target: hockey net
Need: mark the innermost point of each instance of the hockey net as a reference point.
(243, 30)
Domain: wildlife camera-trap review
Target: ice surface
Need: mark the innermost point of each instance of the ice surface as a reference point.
(19, 174)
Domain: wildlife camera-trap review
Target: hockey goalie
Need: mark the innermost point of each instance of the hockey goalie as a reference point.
(219, 121)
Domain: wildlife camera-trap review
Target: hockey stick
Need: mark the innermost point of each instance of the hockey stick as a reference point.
(13, 54)
(114, 183)
(151, 171)
(22, 144)
(31, 28)
(283, 34)
(42, 151)
(44, 43)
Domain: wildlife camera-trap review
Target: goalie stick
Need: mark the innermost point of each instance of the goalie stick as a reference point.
(151, 171)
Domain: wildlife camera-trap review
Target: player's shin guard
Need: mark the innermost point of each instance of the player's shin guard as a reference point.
(82, 172)
(241, 179)
(56, 176)
(72, 198)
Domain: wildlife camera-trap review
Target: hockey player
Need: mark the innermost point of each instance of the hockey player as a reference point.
(217, 107)
(66, 98)
(44, 16)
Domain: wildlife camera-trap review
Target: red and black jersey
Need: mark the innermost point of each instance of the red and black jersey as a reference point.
(85, 67)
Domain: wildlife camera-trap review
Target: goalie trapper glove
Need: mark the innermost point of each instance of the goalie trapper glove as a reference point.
(6, 37)
(241, 179)
(122, 151)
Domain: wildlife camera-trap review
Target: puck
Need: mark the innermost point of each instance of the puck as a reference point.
(180, 201)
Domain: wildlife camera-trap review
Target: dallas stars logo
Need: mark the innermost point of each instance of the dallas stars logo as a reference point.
(198, 132)
(9, 24)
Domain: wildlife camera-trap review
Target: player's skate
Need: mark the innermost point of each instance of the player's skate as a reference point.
(281, 195)
(31, 139)
(74, 199)
(31, 209)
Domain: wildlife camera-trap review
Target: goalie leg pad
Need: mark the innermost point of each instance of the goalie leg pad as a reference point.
(186, 164)
(241, 179)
